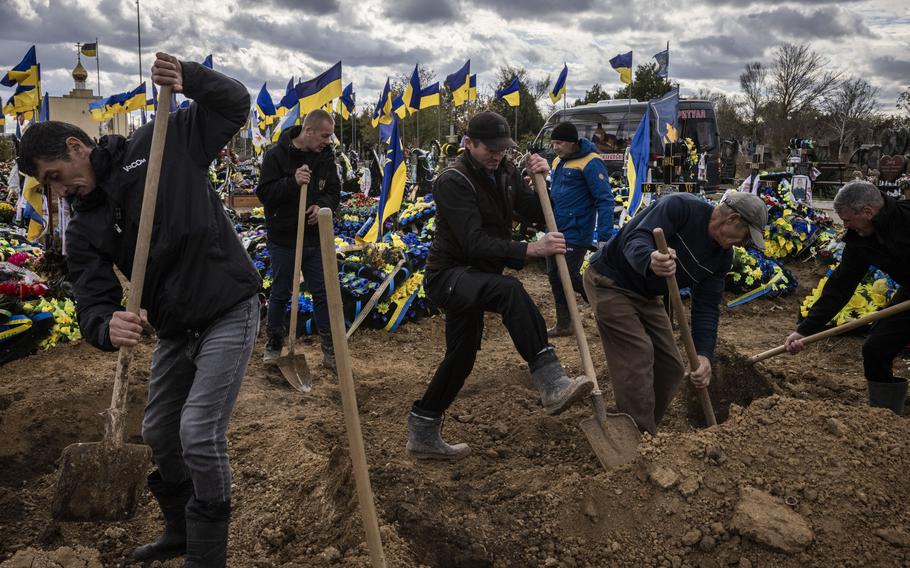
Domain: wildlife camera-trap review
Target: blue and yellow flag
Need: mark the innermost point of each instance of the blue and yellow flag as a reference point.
(34, 208)
(637, 162)
(288, 120)
(265, 108)
(207, 62)
(429, 96)
(24, 99)
(89, 49)
(26, 73)
(289, 99)
(666, 116)
(136, 99)
(459, 83)
(45, 113)
(472, 88)
(559, 87)
(98, 110)
(315, 93)
(382, 113)
(510, 94)
(347, 101)
(411, 96)
(663, 62)
(399, 108)
(622, 64)
(394, 175)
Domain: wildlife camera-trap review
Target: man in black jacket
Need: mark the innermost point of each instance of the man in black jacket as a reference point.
(303, 155)
(475, 202)
(878, 234)
(200, 290)
(624, 282)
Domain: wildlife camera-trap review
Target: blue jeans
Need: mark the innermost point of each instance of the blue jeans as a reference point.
(282, 286)
(193, 386)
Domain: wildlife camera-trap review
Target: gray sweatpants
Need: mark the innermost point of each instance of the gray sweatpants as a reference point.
(193, 386)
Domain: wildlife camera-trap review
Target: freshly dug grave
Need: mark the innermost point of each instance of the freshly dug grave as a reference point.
(532, 492)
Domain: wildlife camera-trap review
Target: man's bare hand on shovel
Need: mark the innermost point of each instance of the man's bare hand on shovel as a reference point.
(166, 70)
(126, 328)
(701, 377)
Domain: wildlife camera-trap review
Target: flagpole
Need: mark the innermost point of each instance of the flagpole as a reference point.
(139, 40)
(631, 82)
(341, 128)
(417, 145)
(516, 118)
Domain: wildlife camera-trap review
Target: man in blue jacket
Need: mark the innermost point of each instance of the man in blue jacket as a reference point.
(200, 290)
(581, 194)
(627, 277)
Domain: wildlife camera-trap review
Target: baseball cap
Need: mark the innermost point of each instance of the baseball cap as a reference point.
(753, 211)
(491, 129)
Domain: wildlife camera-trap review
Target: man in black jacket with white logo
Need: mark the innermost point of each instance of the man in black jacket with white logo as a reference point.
(303, 155)
(475, 201)
(878, 234)
(200, 290)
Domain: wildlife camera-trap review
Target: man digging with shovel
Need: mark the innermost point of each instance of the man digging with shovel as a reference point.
(200, 290)
(623, 284)
(475, 201)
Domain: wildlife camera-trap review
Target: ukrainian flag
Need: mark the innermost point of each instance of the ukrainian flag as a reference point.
(97, 110)
(315, 93)
(510, 94)
(559, 87)
(411, 97)
(429, 97)
(382, 114)
(26, 73)
(25, 99)
(399, 108)
(637, 162)
(394, 174)
(44, 114)
(347, 101)
(34, 208)
(289, 120)
(289, 99)
(136, 99)
(265, 108)
(472, 88)
(90, 49)
(622, 63)
(459, 83)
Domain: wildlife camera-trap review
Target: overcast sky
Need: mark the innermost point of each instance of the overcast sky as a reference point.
(272, 40)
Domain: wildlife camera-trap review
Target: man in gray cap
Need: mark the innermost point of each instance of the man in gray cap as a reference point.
(624, 281)
(476, 200)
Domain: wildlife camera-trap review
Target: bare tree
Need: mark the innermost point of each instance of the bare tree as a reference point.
(800, 79)
(903, 101)
(755, 90)
(849, 108)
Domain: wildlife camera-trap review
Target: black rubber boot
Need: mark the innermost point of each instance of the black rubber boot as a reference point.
(172, 498)
(563, 326)
(425, 438)
(273, 349)
(207, 533)
(891, 395)
(328, 352)
(557, 391)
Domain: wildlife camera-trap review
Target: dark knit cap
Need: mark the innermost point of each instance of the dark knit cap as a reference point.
(566, 132)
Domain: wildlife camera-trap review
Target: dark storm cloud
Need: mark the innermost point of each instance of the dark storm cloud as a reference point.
(738, 47)
(702, 69)
(617, 21)
(316, 7)
(323, 42)
(825, 23)
(744, 3)
(421, 11)
(533, 9)
(892, 68)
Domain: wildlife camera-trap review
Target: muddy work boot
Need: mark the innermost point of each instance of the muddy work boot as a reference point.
(557, 391)
(207, 533)
(172, 498)
(273, 349)
(892, 394)
(563, 326)
(328, 352)
(425, 438)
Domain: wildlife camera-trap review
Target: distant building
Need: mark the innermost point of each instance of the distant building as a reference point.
(73, 108)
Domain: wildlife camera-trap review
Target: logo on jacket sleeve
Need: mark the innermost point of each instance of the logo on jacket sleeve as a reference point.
(134, 165)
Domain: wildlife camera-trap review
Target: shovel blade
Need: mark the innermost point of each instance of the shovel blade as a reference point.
(615, 441)
(296, 372)
(99, 482)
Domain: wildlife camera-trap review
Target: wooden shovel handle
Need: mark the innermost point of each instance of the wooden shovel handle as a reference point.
(540, 186)
(114, 420)
(298, 259)
(348, 394)
(684, 330)
(865, 320)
